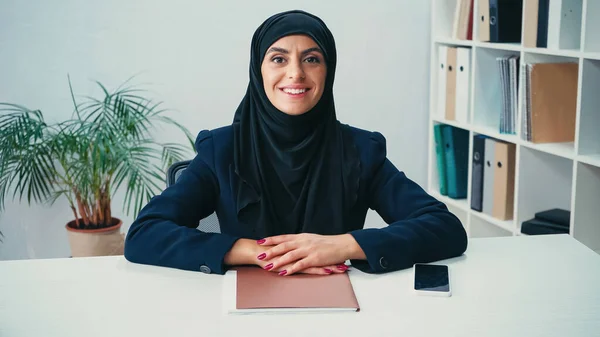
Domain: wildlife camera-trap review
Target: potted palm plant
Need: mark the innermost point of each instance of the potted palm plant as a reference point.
(106, 145)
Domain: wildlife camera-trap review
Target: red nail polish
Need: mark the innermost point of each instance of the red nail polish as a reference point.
(269, 266)
(328, 271)
(283, 272)
(262, 256)
(342, 267)
(261, 241)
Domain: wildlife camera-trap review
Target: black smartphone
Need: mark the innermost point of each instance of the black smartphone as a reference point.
(431, 279)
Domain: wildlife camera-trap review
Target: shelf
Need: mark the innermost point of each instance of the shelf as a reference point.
(592, 27)
(499, 46)
(589, 135)
(545, 182)
(507, 225)
(481, 228)
(453, 123)
(591, 56)
(493, 133)
(461, 204)
(554, 52)
(586, 218)
(454, 42)
(590, 159)
(565, 150)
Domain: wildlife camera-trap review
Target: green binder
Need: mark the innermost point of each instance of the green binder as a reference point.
(441, 158)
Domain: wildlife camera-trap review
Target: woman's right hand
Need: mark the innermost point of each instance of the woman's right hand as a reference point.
(247, 252)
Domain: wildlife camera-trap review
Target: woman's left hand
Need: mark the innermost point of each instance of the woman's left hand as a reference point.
(298, 252)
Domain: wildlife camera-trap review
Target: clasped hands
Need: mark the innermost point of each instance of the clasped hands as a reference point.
(297, 253)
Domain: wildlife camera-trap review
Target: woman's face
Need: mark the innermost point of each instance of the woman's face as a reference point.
(294, 72)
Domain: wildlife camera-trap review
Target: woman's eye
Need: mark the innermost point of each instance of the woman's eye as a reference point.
(313, 59)
(278, 59)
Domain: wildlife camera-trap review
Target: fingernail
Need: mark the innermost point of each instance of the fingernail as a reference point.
(262, 256)
(283, 272)
(342, 267)
(269, 266)
(328, 271)
(261, 241)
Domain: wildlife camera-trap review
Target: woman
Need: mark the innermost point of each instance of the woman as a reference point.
(290, 184)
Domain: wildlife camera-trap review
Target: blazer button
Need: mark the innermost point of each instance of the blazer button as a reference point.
(383, 263)
(205, 269)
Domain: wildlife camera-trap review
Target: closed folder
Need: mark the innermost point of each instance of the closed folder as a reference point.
(442, 74)
(451, 83)
(505, 20)
(477, 172)
(504, 180)
(440, 156)
(457, 161)
(255, 290)
(553, 90)
(483, 21)
(530, 23)
(488, 176)
(542, 29)
(463, 74)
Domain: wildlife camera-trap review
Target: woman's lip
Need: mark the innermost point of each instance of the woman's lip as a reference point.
(295, 95)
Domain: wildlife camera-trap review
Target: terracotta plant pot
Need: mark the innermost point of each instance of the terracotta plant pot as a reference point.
(96, 242)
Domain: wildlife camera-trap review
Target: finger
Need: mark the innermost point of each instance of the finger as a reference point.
(277, 250)
(275, 240)
(289, 257)
(283, 271)
(335, 269)
(299, 265)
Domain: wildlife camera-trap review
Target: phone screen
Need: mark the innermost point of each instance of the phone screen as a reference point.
(431, 277)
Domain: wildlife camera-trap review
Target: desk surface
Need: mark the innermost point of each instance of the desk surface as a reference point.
(513, 286)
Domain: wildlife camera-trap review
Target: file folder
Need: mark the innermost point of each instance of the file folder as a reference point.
(542, 29)
(451, 84)
(488, 176)
(463, 74)
(505, 20)
(484, 20)
(457, 158)
(442, 75)
(440, 156)
(477, 172)
(504, 180)
(530, 23)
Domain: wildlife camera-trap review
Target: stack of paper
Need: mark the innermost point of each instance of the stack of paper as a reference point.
(508, 67)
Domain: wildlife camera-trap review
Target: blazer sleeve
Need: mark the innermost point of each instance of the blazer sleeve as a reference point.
(165, 231)
(420, 228)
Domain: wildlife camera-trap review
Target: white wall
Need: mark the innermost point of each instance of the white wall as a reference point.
(194, 55)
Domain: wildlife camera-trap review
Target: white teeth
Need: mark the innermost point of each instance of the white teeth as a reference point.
(294, 91)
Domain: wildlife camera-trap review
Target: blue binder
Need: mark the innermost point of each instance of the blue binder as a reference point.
(457, 161)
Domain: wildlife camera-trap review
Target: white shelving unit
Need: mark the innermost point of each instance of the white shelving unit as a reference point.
(555, 175)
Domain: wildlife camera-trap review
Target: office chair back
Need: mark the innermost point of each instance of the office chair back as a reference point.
(210, 224)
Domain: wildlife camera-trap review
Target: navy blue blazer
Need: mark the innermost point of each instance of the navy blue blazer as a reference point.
(420, 228)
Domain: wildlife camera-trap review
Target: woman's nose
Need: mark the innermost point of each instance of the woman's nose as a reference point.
(296, 72)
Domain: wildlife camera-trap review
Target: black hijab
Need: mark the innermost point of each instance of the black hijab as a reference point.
(296, 173)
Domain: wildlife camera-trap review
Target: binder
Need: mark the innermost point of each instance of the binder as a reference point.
(440, 156)
(463, 74)
(504, 180)
(477, 172)
(553, 90)
(555, 215)
(530, 23)
(488, 176)
(542, 31)
(457, 157)
(505, 20)
(451, 84)
(484, 20)
(541, 227)
(442, 72)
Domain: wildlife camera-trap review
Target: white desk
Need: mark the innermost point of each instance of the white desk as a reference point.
(514, 286)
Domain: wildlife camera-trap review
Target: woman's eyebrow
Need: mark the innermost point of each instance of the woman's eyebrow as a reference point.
(285, 51)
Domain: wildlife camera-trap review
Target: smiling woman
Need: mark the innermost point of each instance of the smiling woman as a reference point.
(293, 74)
(290, 184)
